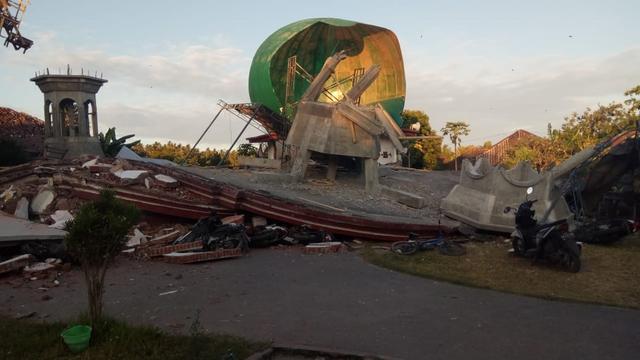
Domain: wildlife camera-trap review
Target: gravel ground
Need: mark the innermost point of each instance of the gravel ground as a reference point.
(347, 193)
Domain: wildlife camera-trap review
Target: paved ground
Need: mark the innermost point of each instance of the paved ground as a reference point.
(340, 301)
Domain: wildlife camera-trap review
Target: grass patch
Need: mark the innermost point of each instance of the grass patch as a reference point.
(609, 273)
(24, 339)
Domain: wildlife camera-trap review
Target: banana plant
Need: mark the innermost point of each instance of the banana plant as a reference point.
(111, 145)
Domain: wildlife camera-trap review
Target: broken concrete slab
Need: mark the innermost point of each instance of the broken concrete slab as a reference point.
(259, 162)
(194, 257)
(403, 197)
(164, 181)
(60, 218)
(14, 230)
(129, 174)
(138, 238)
(90, 163)
(484, 191)
(39, 266)
(22, 209)
(15, 263)
(42, 200)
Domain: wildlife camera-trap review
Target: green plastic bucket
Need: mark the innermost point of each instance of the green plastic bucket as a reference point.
(77, 337)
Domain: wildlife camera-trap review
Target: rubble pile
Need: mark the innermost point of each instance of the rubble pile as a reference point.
(27, 130)
(45, 195)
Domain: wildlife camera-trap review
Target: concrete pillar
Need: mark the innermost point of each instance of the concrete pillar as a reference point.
(299, 166)
(94, 124)
(371, 184)
(55, 117)
(47, 119)
(82, 125)
(332, 168)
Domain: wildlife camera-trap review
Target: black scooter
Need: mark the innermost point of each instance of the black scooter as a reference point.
(543, 241)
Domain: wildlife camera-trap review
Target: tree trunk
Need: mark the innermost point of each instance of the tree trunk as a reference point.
(455, 155)
(94, 279)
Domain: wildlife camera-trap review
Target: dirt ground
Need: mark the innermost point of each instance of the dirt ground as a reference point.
(347, 192)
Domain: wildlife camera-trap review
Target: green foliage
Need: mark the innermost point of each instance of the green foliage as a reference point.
(98, 232)
(178, 153)
(95, 237)
(11, 153)
(410, 117)
(247, 150)
(578, 132)
(111, 145)
(421, 154)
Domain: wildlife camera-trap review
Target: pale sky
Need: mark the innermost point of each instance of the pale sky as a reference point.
(498, 65)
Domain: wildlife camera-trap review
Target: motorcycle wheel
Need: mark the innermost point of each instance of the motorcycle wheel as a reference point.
(404, 247)
(519, 247)
(228, 244)
(573, 263)
(451, 249)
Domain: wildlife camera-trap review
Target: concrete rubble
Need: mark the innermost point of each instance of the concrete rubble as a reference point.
(47, 194)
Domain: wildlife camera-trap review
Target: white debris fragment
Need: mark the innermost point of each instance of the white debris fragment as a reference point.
(39, 266)
(165, 179)
(8, 194)
(90, 163)
(22, 209)
(42, 201)
(61, 217)
(129, 174)
(138, 238)
(147, 183)
(168, 292)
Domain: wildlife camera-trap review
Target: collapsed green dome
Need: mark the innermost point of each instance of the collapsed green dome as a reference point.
(312, 41)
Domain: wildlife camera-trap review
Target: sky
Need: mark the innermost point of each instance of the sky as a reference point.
(497, 65)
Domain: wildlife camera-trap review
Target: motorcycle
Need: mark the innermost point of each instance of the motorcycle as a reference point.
(543, 241)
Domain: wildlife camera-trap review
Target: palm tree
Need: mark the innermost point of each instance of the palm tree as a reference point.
(456, 130)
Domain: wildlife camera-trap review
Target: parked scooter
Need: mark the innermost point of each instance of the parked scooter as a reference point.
(543, 241)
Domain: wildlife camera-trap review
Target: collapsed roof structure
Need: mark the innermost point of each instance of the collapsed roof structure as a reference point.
(573, 190)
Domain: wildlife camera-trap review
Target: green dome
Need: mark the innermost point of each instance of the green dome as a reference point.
(313, 41)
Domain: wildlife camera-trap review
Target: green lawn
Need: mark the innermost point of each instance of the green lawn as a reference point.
(25, 339)
(610, 274)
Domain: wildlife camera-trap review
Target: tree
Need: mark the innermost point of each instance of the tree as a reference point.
(422, 153)
(247, 150)
(95, 237)
(111, 145)
(456, 130)
(178, 153)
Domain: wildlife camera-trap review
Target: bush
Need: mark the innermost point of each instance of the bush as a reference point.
(96, 236)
